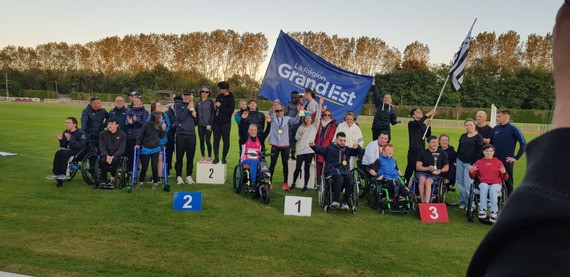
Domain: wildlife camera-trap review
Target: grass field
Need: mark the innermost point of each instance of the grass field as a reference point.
(78, 231)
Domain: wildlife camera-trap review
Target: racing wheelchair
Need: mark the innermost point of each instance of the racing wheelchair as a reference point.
(325, 195)
(242, 179)
(473, 201)
(131, 177)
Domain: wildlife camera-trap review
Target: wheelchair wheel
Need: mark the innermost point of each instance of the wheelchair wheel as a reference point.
(321, 193)
(360, 181)
(452, 196)
(72, 170)
(471, 204)
(264, 194)
(373, 196)
(88, 168)
(440, 191)
(122, 174)
(238, 178)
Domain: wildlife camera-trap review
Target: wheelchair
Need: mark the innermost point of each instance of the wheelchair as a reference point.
(381, 196)
(362, 180)
(325, 195)
(242, 180)
(84, 161)
(131, 177)
(473, 201)
(438, 191)
(121, 176)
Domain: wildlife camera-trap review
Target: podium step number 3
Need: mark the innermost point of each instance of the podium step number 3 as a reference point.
(433, 212)
(187, 201)
(299, 206)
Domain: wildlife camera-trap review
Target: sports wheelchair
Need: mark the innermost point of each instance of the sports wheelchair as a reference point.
(121, 176)
(131, 177)
(438, 191)
(242, 180)
(381, 194)
(325, 195)
(84, 161)
(473, 201)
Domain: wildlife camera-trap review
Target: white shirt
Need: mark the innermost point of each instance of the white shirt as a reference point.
(353, 134)
(371, 153)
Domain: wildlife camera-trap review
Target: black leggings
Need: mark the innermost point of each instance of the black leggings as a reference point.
(205, 136)
(284, 151)
(304, 158)
(145, 159)
(222, 131)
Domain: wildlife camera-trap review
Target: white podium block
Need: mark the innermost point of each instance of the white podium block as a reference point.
(211, 173)
(300, 182)
(298, 206)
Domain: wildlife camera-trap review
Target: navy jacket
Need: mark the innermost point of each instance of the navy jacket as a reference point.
(121, 115)
(384, 115)
(334, 157)
(185, 122)
(92, 121)
(77, 141)
(133, 129)
(505, 139)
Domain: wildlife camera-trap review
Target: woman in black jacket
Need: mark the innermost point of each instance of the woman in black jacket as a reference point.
(148, 142)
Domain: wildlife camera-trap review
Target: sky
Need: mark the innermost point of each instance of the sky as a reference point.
(441, 24)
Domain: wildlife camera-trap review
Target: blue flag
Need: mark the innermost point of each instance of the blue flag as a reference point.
(293, 68)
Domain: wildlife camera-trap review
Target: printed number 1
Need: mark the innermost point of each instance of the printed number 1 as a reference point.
(434, 215)
(211, 173)
(187, 204)
(298, 203)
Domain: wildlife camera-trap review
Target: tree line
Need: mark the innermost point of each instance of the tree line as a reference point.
(501, 69)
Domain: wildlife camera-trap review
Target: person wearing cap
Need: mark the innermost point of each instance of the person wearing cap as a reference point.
(185, 137)
(136, 117)
(171, 133)
(205, 115)
(120, 112)
(132, 95)
(291, 110)
(93, 118)
(279, 138)
(224, 106)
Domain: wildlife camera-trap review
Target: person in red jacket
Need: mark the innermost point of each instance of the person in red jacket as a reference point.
(491, 173)
(324, 137)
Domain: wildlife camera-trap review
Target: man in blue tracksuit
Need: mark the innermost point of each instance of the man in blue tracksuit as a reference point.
(505, 137)
(336, 157)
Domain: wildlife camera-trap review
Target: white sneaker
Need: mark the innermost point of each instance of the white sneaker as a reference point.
(493, 217)
(179, 180)
(189, 180)
(141, 184)
(344, 206)
(482, 214)
(335, 204)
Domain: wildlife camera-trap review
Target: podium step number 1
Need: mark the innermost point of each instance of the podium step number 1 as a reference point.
(298, 206)
(187, 201)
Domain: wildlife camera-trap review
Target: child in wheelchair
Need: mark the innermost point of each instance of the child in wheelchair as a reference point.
(385, 170)
(491, 173)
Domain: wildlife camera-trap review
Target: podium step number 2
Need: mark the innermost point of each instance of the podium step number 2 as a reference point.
(433, 212)
(187, 201)
(299, 206)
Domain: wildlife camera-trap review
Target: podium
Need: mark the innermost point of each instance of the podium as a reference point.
(300, 182)
(211, 173)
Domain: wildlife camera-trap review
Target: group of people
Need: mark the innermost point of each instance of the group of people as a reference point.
(117, 133)
(301, 130)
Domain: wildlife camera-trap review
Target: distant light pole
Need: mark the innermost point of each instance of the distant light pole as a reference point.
(7, 92)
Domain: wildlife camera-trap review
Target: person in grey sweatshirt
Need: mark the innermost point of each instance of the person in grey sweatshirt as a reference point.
(205, 113)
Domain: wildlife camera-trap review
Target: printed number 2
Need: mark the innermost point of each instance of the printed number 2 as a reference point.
(187, 204)
(298, 203)
(211, 173)
(434, 215)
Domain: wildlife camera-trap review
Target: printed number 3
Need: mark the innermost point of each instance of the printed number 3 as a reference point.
(211, 173)
(434, 215)
(187, 204)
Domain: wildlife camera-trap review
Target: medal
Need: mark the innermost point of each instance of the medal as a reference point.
(343, 162)
(280, 131)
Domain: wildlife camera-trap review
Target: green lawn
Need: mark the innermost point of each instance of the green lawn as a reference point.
(78, 231)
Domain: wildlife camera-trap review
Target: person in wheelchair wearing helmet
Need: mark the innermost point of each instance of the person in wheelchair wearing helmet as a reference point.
(385, 169)
(337, 157)
(491, 173)
(112, 144)
(251, 150)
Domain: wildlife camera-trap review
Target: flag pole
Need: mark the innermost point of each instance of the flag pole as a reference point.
(443, 87)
